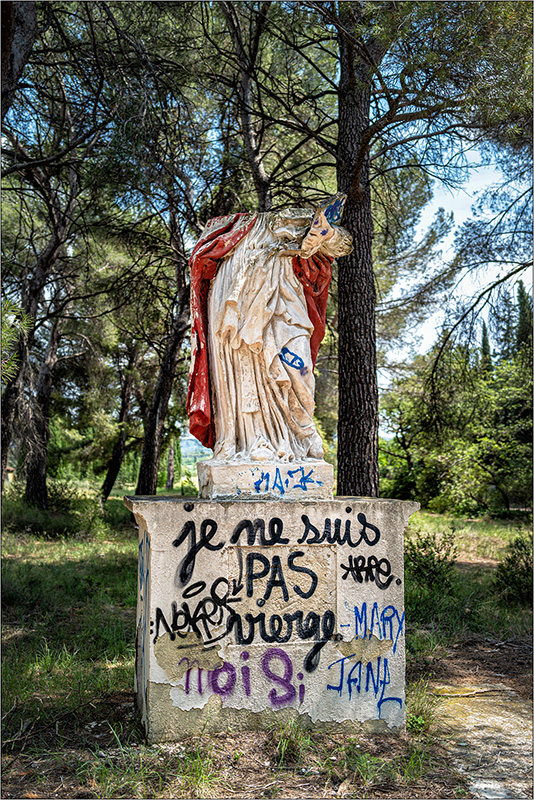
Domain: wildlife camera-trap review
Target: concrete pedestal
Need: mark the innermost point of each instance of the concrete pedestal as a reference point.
(306, 480)
(253, 611)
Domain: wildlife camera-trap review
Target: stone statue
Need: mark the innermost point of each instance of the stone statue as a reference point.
(259, 284)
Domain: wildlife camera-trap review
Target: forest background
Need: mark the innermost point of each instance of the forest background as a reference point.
(126, 126)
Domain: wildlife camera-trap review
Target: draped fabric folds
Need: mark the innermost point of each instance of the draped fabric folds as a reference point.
(254, 292)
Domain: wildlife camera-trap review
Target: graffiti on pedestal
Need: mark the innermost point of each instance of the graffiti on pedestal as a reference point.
(143, 605)
(274, 606)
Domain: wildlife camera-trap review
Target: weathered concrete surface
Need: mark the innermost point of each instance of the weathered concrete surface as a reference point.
(252, 609)
(490, 730)
(308, 480)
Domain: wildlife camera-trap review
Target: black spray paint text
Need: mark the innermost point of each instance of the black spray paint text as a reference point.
(368, 533)
(269, 535)
(368, 569)
(210, 612)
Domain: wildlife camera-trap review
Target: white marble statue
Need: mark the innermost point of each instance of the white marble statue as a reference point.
(260, 285)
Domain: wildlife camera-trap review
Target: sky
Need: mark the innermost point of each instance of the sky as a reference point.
(460, 203)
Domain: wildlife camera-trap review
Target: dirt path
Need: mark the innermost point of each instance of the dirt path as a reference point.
(490, 738)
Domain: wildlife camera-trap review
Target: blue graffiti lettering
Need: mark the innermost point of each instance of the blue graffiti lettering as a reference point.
(304, 480)
(291, 359)
(278, 482)
(375, 622)
(264, 477)
(296, 479)
(360, 622)
(385, 624)
(377, 679)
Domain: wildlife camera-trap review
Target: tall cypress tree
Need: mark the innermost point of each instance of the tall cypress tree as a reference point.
(486, 364)
(524, 313)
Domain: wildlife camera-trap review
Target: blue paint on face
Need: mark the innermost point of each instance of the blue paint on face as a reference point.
(334, 211)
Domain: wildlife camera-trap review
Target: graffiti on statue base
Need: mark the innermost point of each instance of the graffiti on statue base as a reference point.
(273, 589)
(227, 680)
(256, 533)
(387, 623)
(296, 479)
(275, 628)
(357, 679)
(283, 685)
(371, 569)
(143, 603)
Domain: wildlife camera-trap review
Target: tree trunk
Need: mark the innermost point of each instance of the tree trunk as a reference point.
(115, 462)
(32, 288)
(178, 459)
(247, 59)
(169, 483)
(31, 295)
(119, 448)
(19, 31)
(358, 389)
(37, 456)
(148, 469)
(10, 400)
(31, 292)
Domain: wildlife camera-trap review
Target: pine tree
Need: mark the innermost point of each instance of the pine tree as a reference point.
(503, 323)
(486, 354)
(524, 314)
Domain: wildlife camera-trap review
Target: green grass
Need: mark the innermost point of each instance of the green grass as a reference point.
(410, 766)
(200, 776)
(453, 603)
(292, 742)
(421, 707)
(148, 772)
(370, 769)
(477, 538)
(68, 623)
(362, 768)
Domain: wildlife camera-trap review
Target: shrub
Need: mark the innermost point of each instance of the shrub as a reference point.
(71, 512)
(513, 578)
(20, 517)
(429, 558)
(187, 484)
(116, 515)
(63, 496)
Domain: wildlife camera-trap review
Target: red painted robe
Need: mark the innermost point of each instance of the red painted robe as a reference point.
(222, 234)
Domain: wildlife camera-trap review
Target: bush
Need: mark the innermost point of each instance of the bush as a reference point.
(188, 487)
(116, 515)
(20, 517)
(71, 512)
(429, 558)
(513, 578)
(63, 496)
